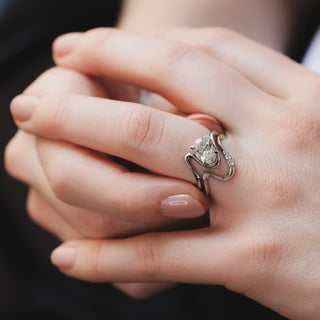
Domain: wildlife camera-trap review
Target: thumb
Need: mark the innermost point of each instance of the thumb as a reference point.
(196, 256)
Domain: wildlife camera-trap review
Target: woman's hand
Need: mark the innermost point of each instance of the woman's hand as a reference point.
(40, 162)
(264, 235)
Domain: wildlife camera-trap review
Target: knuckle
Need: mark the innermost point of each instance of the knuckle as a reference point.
(98, 33)
(96, 265)
(312, 88)
(49, 73)
(53, 119)
(66, 77)
(148, 255)
(41, 83)
(15, 156)
(174, 54)
(12, 157)
(32, 209)
(277, 186)
(158, 31)
(97, 39)
(138, 291)
(309, 127)
(58, 178)
(262, 251)
(129, 207)
(122, 205)
(94, 226)
(140, 129)
(57, 120)
(221, 35)
(266, 252)
(299, 128)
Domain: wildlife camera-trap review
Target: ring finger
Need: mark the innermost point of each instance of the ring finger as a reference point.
(112, 190)
(150, 138)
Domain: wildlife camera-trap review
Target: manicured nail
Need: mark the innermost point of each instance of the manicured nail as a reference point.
(63, 257)
(181, 206)
(22, 106)
(205, 120)
(65, 44)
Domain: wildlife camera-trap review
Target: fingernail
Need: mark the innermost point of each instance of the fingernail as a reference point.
(63, 257)
(181, 206)
(64, 44)
(205, 120)
(23, 106)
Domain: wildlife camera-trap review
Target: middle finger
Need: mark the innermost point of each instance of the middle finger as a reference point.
(150, 138)
(189, 78)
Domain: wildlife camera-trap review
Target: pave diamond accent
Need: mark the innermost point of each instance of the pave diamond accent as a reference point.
(229, 159)
(205, 151)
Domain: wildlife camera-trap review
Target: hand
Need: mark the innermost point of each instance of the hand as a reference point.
(37, 162)
(264, 235)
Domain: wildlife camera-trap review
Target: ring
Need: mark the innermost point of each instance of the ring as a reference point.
(207, 152)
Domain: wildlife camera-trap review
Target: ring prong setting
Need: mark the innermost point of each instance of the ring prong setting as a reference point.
(205, 151)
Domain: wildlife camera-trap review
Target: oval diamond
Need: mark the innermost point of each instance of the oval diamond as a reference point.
(205, 151)
(209, 157)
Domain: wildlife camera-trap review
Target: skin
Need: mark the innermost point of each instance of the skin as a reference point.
(249, 17)
(44, 206)
(263, 238)
(38, 162)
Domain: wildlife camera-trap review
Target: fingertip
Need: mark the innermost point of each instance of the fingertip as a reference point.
(22, 106)
(64, 256)
(64, 44)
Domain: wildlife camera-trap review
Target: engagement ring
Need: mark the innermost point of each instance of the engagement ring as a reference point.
(207, 152)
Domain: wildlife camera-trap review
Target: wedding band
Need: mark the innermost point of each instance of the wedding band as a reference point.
(207, 152)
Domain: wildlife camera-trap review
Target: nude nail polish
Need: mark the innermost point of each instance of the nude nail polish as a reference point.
(23, 106)
(181, 206)
(65, 44)
(63, 257)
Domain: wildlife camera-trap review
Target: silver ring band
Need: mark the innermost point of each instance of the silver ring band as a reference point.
(207, 152)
